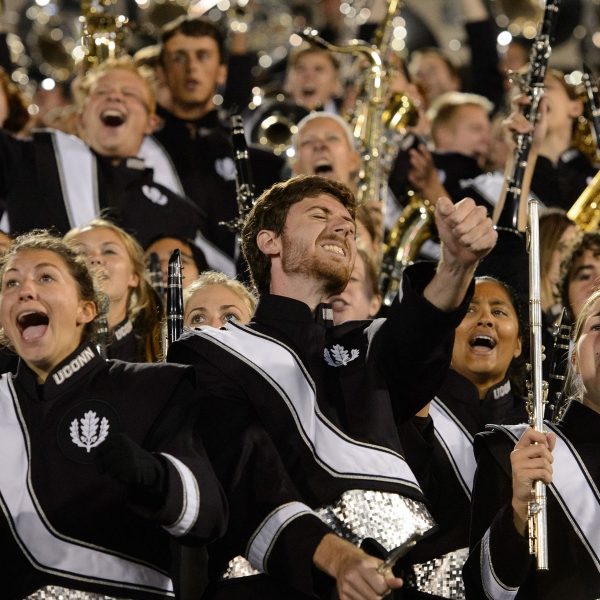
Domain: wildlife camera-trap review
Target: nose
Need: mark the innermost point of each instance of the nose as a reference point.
(26, 290)
(343, 226)
(215, 321)
(485, 319)
(95, 259)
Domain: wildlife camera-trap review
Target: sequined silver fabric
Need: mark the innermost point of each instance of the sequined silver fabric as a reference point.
(54, 592)
(388, 518)
(239, 567)
(442, 576)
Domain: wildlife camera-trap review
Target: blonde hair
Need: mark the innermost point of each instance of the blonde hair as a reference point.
(216, 278)
(124, 63)
(144, 307)
(443, 109)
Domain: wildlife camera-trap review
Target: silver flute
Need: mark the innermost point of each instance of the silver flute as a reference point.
(537, 509)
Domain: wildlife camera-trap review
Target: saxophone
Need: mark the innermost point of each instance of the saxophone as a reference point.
(585, 212)
(371, 125)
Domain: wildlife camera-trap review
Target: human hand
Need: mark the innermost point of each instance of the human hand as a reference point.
(531, 461)
(354, 570)
(466, 232)
(142, 473)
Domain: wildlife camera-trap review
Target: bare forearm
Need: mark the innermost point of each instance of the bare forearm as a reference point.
(449, 285)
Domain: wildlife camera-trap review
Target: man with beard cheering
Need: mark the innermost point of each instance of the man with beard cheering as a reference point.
(301, 416)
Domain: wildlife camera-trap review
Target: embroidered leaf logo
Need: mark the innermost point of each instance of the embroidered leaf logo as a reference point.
(338, 356)
(85, 434)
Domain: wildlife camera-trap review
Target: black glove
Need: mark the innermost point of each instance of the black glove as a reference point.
(143, 473)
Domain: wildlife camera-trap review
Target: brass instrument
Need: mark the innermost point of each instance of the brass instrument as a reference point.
(371, 136)
(103, 32)
(414, 226)
(276, 124)
(585, 212)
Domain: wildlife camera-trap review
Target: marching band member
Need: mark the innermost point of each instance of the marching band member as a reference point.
(135, 311)
(214, 299)
(478, 389)
(510, 460)
(57, 180)
(99, 467)
(311, 408)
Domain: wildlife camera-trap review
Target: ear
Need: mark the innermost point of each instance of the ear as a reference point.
(268, 242)
(134, 280)
(86, 312)
(575, 108)
(152, 123)
(374, 305)
(518, 349)
(575, 362)
(222, 75)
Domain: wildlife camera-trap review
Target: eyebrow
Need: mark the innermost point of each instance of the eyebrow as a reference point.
(329, 212)
(38, 266)
(581, 268)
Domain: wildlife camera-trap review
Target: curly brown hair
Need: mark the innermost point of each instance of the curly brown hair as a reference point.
(270, 212)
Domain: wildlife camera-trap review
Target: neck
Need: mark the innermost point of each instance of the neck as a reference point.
(556, 142)
(298, 287)
(591, 403)
(191, 112)
(117, 313)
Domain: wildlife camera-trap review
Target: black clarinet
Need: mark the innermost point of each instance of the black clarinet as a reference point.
(244, 183)
(102, 332)
(174, 299)
(592, 104)
(533, 86)
(155, 274)
(557, 393)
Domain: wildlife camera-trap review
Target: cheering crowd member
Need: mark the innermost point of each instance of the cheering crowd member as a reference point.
(99, 469)
(193, 60)
(477, 390)
(57, 180)
(134, 314)
(509, 461)
(312, 409)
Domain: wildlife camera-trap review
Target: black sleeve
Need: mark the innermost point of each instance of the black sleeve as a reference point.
(12, 157)
(238, 87)
(269, 523)
(414, 345)
(499, 555)
(486, 79)
(195, 510)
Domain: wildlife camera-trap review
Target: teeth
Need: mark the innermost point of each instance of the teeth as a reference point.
(483, 340)
(335, 249)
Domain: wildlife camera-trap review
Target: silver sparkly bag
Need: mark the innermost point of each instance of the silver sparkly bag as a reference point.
(390, 519)
(54, 592)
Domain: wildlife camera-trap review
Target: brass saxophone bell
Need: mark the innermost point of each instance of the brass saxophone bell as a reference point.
(400, 113)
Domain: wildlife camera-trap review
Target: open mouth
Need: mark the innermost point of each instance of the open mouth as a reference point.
(482, 341)
(323, 168)
(309, 91)
(112, 118)
(32, 325)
